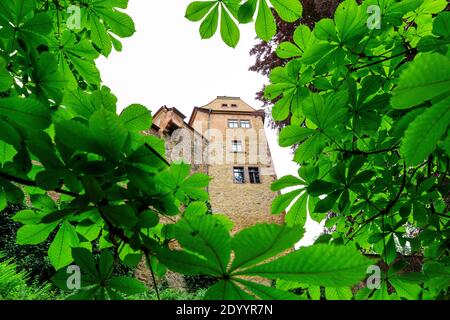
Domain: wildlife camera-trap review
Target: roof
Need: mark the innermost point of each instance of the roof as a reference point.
(222, 104)
(170, 109)
(226, 104)
(229, 103)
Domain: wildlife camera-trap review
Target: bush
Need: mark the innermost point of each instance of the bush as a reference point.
(14, 285)
(31, 259)
(169, 294)
(198, 282)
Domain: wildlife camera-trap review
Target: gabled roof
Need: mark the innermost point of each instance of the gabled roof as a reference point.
(228, 103)
(225, 104)
(170, 109)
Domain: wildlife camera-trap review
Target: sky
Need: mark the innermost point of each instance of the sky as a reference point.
(167, 63)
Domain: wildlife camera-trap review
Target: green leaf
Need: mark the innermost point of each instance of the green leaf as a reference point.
(3, 200)
(271, 239)
(323, 112)
(120, 23)
(228, 29)
(136, 117)
(281, 109)
(85, 141)
(282, 201)
(297, 214)
(316, 52)
(285, 182)
(6, 80)
(446, 144)
(148, 219)
(7, 152)
(265, 24)
(127, 285)
(338, 293)
(294, 134)
(319, 265)
(410, 291)
(106, 264)
(197, 10)
(209, 26)
(326, 30)
(320, 187)
(268, 293)
(9, 134)
(198, 180)
(441, 25)
(246, 11)
(424, 132)
(60, 249)
(186, 263)
(289, 10)
(424, 79)
(26, 112)
(34, 234)
(109, 132)
(327, 203)
(206, 236)
(120, 215)
(27, 217)
(350, 21)
(288, 50)
(85, 260)
(309, 149)
(100, 37)
(226, 290)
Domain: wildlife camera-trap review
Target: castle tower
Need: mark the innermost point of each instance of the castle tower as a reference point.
(238, 160)
(226, 140)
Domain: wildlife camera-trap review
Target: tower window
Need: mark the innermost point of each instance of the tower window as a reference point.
(233, 124)
(238, 175)
(245, 124)
(253, 173)
(236, 146)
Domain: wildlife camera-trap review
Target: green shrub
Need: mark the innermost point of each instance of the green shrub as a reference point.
(31, 259)
(198, 282)
(169, 294)
(14, 285)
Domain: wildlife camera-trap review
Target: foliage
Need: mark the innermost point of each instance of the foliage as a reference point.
(233, 12)
(59, 132)
(169, 294)
(369, 111)
(30, 259)
(265, 54)
(96, 183)
(198, 282)
(15, 285)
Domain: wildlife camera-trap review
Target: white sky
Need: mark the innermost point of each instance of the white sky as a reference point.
(167, 63)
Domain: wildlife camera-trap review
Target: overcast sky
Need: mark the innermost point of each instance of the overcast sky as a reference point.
(167, 63)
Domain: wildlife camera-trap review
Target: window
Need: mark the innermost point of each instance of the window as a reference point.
(245, 124)
(224, 105)
(236, 146)
(253, 172)
(238, 175)
(233, 124)
(233, 105)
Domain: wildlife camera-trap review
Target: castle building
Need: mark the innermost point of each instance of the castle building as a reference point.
(226, 140)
